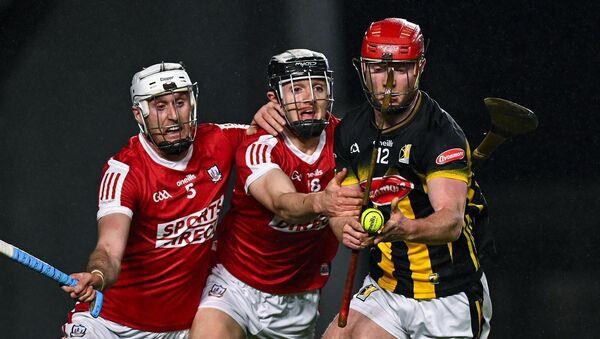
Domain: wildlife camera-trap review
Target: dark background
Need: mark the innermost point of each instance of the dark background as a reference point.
(65, 72)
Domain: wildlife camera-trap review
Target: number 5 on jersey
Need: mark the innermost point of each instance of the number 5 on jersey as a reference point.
(191, 191)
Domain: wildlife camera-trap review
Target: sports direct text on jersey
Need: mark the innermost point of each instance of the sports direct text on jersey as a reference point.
(195, 228)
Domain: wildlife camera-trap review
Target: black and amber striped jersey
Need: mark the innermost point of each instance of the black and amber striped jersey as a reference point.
(427, 144)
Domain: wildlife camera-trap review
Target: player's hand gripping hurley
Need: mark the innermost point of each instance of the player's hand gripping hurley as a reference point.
(48, 270)
(347, 294)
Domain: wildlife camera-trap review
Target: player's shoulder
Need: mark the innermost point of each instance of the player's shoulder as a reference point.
(354, 123)
(126, 160)
(261, 137)
(437, 117)
(355, 118)
(212, 130)
(129, 154)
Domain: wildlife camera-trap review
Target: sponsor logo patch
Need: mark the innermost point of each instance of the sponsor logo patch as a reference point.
(450, 155)
(188, 178)
(316, 173)
(217, 291)
(386, 143)
(318, 223)
(354, 148)
(77, 331)
(385, 189)
(195, 228)
(365, 292)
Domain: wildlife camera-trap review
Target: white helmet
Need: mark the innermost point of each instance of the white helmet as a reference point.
(155, 81)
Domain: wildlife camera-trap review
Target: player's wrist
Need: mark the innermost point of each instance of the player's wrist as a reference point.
(100, 275)
(317, 202)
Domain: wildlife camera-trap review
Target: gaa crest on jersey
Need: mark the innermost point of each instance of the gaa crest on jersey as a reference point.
(385, 189)
(161, 195)
(217, 291)
(365, 292)
(296, 176)
(214, 173)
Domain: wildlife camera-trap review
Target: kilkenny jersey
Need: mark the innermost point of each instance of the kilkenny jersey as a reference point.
(257, 246)
(174, 209)
(426, 144)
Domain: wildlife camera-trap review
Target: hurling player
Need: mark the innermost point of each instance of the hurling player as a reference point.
(425, 280)
(276, 247)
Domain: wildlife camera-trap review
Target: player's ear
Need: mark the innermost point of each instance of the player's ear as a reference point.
(272, 96)
(137, 114)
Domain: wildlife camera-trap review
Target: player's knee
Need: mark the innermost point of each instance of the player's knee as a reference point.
(333, 331)
(213, 323)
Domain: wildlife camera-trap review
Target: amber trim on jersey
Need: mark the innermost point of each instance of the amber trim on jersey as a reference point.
(461, 175)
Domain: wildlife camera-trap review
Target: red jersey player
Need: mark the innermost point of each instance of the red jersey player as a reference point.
(275, 245)
(159, 201)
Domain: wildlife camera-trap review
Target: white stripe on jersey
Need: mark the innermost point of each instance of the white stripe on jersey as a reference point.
(230, 125)
(109, 195)
(258, 158)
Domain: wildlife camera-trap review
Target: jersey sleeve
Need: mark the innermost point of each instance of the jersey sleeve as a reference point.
(255, 159)
(343, 157)
(447, 153)
(116, 193)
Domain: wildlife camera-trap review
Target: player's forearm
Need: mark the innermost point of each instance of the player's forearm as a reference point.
(439, 228)
(110, 267)
(337, 226)
(297, 207)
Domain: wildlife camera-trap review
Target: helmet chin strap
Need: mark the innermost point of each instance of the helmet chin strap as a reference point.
(175, 147)
(307, 129)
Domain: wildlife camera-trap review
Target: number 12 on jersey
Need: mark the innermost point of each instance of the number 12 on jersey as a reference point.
(382, 155)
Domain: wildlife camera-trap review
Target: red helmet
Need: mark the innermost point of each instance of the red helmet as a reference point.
(393, 37)
(388, 42)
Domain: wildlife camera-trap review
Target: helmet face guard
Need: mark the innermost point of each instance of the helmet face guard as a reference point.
(154, 82)
(391, 43)
(369, 69)
(303, 70)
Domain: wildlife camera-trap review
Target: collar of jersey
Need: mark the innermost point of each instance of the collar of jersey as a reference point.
(406, 119)
(309, 159)
(179, 165)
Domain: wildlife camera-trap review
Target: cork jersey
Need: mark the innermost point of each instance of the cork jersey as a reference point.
(259, 248)
(174, 209)
(425, 145)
